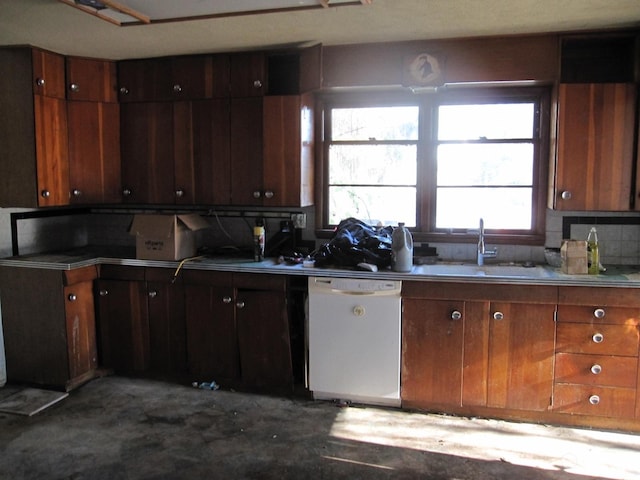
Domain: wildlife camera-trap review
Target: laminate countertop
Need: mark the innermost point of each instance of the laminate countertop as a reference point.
(623, 276)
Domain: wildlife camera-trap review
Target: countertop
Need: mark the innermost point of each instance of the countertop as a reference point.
(513, 273)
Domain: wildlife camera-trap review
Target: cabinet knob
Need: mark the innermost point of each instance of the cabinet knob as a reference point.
(40, 82)
(72, 297)
(268, 194)
(177, 88)
(596, 369)
(180, 193)
(104, 292)
(257, 84)
(456, 315)
(257, 194)
(599, 313)
(240, 304)
(566, 195)
(153, 294)
(124, 91)
(598, 338)
(498, 315)
(45, 193)
(76, 193)
(594, 399)
(126, 192)
(74, 87)
(226, 299)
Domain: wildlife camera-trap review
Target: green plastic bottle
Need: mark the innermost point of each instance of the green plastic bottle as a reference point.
(593, 253)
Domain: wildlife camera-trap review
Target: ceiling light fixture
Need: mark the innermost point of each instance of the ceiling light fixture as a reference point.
(136, 12)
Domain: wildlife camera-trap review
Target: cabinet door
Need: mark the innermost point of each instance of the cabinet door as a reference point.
(123, 325)
(246, 151)
(263, 339)
(91, 80)
(201, 142)
(144, 80)
(212, 348)
(81, 329)
(48, 73)
(432, 340)
(52, 150)
(94, 152)
(519, 357)
(595, 146)
(167, 336)
(248, 73)
(146, 133)
(288, 151)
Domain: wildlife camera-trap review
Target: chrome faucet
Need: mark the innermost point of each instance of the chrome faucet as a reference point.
(482, 251)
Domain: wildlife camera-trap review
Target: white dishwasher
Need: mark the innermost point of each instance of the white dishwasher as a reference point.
(354, 340)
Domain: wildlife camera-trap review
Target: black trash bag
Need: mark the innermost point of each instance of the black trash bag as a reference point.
(355, 242)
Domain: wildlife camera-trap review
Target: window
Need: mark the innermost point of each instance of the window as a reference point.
(439, 162)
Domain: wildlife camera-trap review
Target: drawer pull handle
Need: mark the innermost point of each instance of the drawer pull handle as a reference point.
(226, 299)
(596, 369)
(598, 338)
(456, 315)
(104, 292)
(153, 294)
(240, 304)
(599, 313)
(594, 399)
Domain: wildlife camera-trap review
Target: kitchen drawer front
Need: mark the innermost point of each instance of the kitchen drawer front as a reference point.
(594, 400)
(605, 370)
(597, 339)
(598, 315)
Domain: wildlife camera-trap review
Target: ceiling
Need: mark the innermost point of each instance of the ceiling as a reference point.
(59, 27)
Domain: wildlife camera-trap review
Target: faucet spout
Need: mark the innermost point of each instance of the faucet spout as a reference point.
(483, 252)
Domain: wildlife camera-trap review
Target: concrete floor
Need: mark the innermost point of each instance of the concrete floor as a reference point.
(118, 428)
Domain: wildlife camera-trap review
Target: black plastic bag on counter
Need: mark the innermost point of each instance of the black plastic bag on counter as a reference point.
(355, 242)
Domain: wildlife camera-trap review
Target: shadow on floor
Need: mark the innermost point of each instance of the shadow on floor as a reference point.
(119, 428)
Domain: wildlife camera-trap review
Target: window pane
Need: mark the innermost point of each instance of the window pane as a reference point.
(372, 165)
(485, 164)
(501, 208)
(384, 123)
(492, 121)
(384, 205)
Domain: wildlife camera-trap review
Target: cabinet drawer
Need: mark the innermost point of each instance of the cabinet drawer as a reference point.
(591, 400)
(605, 370)
(597, 339)
(598, 315)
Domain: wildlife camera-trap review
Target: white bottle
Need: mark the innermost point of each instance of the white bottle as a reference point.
(401, 249)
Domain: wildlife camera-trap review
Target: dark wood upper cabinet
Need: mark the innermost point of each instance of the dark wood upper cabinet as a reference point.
(248, 74)
(295, 71)
(173, 78)
(91, 80)
(48, 73)
(94, 152)
(594, 168)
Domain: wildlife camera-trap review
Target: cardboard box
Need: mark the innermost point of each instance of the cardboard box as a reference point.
(166, 237)
(574, 257)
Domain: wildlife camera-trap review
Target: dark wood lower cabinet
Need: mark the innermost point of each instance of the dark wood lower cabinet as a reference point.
(206, 326)
(49, 326)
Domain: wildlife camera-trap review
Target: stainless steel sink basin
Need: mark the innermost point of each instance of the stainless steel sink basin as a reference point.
(471, 270)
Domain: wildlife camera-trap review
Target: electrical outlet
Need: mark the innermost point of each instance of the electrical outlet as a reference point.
(299, 220)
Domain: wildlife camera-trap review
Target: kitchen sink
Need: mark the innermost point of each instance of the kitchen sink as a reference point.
(491, 270)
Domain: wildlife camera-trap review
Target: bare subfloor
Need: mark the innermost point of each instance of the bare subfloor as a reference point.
(118, 428)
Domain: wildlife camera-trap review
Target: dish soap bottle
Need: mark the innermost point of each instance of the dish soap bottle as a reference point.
(258, 242)
(401, 249)
(593, 253)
